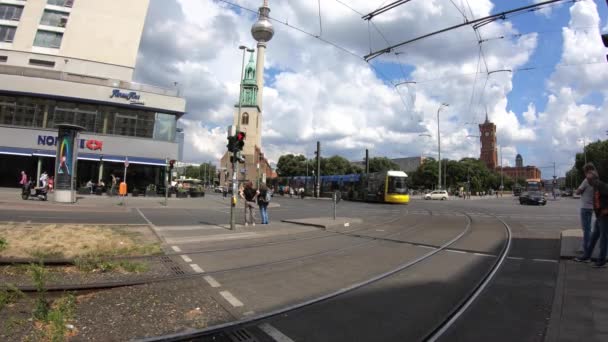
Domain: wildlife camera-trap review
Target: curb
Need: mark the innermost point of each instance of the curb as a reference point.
(552, 332)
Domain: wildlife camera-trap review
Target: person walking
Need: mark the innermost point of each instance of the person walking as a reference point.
(585, 190)
(113, 185)
(23, 180)
(249, 197)
(264, 197)
(600, 207)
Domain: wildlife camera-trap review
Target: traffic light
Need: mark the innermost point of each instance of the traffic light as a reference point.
(171, 163)
(240, 140)
(231, 143)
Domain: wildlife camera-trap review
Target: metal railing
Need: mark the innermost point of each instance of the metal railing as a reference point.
(65, 76)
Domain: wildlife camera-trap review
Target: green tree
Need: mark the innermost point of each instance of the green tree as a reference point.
(378, 164)
(291, 165)
(337, 165)
(597, 153)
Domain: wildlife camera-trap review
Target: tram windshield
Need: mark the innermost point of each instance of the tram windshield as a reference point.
(396, 185)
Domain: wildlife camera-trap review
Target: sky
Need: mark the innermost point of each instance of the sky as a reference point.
(552, 98)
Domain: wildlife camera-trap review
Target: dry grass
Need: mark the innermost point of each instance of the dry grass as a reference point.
(71, 241)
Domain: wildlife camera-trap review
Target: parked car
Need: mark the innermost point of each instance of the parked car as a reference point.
(437, 195)
(218, 189)
(533, 197)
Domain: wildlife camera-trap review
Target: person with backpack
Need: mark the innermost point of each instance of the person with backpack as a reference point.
(249, 196)
(264, 196)
(600, 207)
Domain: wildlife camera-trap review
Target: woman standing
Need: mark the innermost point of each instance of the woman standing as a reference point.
(263, 201)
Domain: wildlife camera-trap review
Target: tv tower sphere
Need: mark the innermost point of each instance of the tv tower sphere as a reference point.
(262, 31)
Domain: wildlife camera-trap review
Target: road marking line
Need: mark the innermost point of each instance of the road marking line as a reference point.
(515, 258)
(544, 260)
(231, 299)
(197, 268)
(212, 281)
(274, 333)
(186, 258)
(455, 251)
(177, 249)
(483, 254)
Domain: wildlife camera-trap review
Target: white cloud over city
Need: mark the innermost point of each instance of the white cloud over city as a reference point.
(315, 91)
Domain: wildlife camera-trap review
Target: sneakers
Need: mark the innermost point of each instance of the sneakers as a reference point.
(253, 224)
(581, 259)
(246, 224)
(598, 265)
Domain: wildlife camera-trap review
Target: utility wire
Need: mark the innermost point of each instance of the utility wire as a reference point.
(383, 9)
(493, 17)
(459, 10)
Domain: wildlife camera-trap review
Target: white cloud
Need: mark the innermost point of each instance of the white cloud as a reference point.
(317, 92)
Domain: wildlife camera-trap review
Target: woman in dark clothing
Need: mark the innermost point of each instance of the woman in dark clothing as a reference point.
(263, 201)
(249, 196)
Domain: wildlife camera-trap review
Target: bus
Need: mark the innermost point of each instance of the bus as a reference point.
(534, 184)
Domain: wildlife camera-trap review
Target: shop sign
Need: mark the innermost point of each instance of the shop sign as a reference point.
(90, 144)
(132, 97)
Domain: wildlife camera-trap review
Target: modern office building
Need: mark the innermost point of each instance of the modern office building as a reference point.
(72, 61)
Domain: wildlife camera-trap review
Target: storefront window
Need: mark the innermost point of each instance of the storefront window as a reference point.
(83, 115)
(20, 112)
(164, 127)
(133, 123)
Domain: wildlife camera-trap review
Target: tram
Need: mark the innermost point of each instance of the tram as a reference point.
(385, 187)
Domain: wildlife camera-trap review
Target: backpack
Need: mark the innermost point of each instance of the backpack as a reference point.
(267, 197)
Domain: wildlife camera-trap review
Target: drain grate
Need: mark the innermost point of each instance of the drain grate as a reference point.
(241, 335)
(172, 265)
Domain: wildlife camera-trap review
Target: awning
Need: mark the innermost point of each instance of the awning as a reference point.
(28, 152)
(16, 151)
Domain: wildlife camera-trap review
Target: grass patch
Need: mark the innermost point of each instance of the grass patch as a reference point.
(3, 244)
(9, 295)
(39, 276)
(53, 241)
(98, 264)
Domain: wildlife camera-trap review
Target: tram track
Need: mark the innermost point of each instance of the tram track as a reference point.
(217, 330)
(433, 335)
(151, 280)
(68, 262)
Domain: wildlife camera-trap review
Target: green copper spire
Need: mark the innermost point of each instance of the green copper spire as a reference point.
(250, 88)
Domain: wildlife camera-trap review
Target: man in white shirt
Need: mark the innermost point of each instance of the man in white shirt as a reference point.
(586, 212)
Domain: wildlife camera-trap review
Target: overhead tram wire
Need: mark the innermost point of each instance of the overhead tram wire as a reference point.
(383, 9)
(492, 17)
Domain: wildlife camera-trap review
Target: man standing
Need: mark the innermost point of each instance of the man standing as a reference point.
(600, 207)
(249, 196)
(586, 212)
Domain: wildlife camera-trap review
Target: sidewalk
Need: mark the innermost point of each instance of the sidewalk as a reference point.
(580, 305)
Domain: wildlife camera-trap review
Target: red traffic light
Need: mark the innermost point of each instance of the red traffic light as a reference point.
(240, 136)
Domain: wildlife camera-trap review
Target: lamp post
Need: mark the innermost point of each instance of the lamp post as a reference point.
(428, 135)
(238, 128)
(439, 142)
(584, 140)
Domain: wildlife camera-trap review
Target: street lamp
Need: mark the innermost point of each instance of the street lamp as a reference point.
(238, 128)
(584, 140)
(439, 142)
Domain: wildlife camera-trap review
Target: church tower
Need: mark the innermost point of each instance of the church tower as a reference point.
(489, 153)
(256, 166)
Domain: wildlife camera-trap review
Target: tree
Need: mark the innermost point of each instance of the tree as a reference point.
(597, 153)
(290, 165)
(379, 164)
(337, 165)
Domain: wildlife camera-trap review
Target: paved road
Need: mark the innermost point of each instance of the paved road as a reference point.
(290, 265)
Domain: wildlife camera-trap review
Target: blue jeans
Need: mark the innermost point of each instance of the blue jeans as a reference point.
(264, 213)
(586, 215)
(599, 233)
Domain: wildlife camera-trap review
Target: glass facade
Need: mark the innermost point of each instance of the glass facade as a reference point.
(10, 12)
(100, 119)
(48, 39)
(54, 18)
(7, 33)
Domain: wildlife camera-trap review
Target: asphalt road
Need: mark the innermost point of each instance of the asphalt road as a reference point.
(275, 271)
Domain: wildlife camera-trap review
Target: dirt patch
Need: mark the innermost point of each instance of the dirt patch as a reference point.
(70, 241)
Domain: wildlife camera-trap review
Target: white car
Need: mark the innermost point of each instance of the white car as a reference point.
(437, 195)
